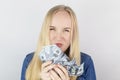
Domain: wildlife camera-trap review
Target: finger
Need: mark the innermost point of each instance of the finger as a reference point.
(60, 73)
(45, 76)
(52, 78)
(63, 70)
(54, 75)
(46, 64)
(48, 68)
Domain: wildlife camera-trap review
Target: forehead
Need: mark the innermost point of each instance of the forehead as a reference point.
(61, 18)
(61, 12)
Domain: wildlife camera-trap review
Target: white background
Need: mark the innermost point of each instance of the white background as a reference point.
(99, 26)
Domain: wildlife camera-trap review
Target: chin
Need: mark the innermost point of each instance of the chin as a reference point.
(62, 50)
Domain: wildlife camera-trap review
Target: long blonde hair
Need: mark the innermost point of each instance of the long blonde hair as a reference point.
(33, 70)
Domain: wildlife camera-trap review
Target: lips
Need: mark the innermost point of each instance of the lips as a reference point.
(59, 44)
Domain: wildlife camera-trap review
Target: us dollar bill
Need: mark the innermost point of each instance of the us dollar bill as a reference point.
(54, 53)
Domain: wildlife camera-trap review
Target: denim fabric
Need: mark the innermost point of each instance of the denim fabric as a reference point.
(89, 71)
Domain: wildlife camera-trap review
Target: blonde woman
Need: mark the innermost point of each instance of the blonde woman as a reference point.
(59, 28)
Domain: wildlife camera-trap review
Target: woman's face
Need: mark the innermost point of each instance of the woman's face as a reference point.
(60, 30)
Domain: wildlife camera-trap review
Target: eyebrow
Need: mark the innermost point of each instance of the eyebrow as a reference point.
(52, 26)
(64, 28)
(67, 28)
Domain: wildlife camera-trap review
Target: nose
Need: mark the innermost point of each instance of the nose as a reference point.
(59, 35)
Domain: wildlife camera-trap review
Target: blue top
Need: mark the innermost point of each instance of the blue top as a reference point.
(88, 74)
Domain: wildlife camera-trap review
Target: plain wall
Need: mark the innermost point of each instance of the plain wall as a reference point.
(99, 26)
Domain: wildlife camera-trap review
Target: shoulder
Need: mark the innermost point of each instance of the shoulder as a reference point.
(26, 62)
(28, 57)
(85, 57)
(87, 60)
(89, 71)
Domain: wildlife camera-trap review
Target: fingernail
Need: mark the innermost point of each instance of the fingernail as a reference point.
(50, 61)
(58, 63)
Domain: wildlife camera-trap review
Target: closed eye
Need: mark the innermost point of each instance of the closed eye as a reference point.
(67, 30)
(52, 28)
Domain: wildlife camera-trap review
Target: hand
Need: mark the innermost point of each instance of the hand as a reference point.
(45, 68)
(59, 73)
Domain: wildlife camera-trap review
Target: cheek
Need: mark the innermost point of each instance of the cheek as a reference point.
(51, 37)
(67, 38)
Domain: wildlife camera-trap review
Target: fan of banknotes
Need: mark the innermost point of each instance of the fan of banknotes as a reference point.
(54, 53)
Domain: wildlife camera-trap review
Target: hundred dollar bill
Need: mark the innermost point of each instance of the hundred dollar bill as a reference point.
(54, 53)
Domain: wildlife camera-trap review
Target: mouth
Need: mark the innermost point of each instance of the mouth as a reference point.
(59, 44)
